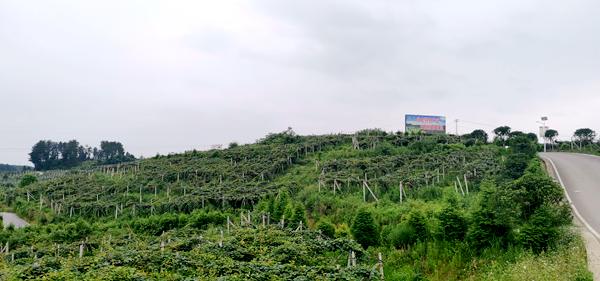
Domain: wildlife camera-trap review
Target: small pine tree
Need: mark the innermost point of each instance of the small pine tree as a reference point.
(280, 206)
(299, 215)
(365, 230)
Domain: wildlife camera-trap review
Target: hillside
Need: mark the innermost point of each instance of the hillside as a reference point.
(332, 207)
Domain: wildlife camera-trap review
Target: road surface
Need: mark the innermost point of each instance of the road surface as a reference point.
(579, 174)
(11, 218)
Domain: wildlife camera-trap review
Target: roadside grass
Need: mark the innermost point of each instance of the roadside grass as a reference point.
(567, 262)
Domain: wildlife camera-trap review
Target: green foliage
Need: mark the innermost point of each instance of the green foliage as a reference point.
(492, 221)
(364, 229)
(402, 236)
(515, 165)
(521, 143)
(453, 224)
(202, 219)
(182, 201)
(299, 215)
(280, 206)
(155, 225)
(542, 229)
(326, 228)
(418, 223)
(478, 136)
(532, 191)
(48, 155)
(502, 133)
(27, 180)
(551, 134)
(585, 135)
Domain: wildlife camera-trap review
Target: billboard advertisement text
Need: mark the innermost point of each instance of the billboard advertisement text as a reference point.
(426, 124)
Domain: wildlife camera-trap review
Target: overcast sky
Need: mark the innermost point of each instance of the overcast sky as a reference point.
(168, 76)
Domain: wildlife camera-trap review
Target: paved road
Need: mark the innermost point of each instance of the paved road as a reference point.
(11, 218)
(580, 175)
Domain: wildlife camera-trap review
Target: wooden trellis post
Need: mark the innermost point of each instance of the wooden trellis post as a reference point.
(351, 259)
(401, 189)
(364, 192)
(460, 185)
(228, 224)
(221, 241)
(466, 183)
(5, 249)
(380, 265)
(366, 185)
(81, 245)
(299, 228)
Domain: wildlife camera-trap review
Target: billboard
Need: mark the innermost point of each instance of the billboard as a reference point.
(426, 124)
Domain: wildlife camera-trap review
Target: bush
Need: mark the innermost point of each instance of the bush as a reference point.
(541, 231)
(515, 165)
(417, 222)
(453, 225)
(523, 144)
(365, 230)
(27, 180)
(155, 225)
(202, 219)
(402, 236)
(534, 191)
(327, 229)
(494, 217)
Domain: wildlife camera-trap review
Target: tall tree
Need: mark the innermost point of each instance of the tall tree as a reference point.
(47, 154)
(550, 135)
(40, 154)
(479, 135)
(585, 135)
(502, 133)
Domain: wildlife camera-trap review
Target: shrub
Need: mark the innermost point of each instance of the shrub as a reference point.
(327, 229)
(202, 219)
(402, 236)
(541, 231)
(298, 215)
(27, 180)
(515, 165)
(417, 222)
(365, 230)
(494, 218)
(534, 191)
(453, 225)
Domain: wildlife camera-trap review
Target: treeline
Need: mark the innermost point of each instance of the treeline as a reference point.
(13, 168)
(50, 155)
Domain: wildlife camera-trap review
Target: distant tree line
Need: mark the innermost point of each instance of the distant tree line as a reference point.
(14, 168)
(49, 155)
